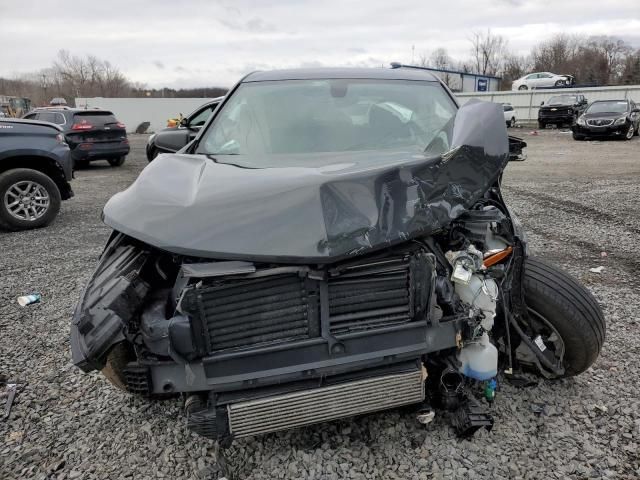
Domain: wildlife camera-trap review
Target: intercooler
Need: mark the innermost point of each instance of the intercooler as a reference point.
(307, 407)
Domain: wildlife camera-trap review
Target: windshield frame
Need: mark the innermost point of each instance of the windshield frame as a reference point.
(195, 145)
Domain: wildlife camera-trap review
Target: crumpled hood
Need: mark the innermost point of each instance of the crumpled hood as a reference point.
(192, 205)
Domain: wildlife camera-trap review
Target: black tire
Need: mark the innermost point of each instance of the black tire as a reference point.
(117, 162)
(577, 136)
(13, 177)
(542, 125)
(153, 154)
(79, 164)
(560, 83)
(570, 309)
(509, 123)
(637, 131)
(523, 87)
(630, 133)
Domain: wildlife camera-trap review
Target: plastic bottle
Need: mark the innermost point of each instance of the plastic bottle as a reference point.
(479, 360)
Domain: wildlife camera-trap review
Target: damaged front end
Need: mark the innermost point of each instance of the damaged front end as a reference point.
(316, 293)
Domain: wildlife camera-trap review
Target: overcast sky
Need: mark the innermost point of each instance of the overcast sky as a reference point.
(206, 42)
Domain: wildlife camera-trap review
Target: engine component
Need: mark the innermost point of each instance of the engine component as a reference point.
(479, 360)
(324, 404)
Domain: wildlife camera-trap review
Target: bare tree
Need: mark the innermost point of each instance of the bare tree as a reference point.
(487, 52)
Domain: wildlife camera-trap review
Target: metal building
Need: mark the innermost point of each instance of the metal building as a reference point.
(459, 81)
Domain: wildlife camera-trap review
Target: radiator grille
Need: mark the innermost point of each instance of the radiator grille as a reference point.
(371, 295)
(325, 404)
(256, 311)
(599, 122)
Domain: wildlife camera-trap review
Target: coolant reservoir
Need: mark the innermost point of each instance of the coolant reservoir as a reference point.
(479, 360)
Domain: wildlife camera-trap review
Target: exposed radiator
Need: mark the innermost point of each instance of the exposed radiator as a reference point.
(256, 311)
(325, 404)
(371, 295)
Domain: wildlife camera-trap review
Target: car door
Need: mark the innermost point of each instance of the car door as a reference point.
(172, 140)
(544, 80)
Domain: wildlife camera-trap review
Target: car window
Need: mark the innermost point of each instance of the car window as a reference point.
(47, 117)
(613, 106)
(321, 116)
(31, 116)
(200, 118)
(95, 118)
(532, 76)
(59, 119)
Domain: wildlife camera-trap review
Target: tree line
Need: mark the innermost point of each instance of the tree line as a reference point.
(592, 60)
(72, 76)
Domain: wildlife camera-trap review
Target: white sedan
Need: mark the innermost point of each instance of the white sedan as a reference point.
(541, 80)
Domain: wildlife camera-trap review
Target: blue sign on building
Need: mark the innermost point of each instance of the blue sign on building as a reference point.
(482, 85)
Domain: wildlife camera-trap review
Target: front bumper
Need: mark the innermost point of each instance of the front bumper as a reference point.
(608, 131)
(556, 118)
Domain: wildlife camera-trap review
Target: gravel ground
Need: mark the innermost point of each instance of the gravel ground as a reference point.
(577, 199)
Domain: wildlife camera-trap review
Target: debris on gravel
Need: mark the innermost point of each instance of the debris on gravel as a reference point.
(65, 424)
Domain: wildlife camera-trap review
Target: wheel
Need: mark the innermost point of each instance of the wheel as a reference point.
(510, 123)
(542, 125)
(555, 297)
(560, 83)
(154, 153)
(117, 162)
(637, 130)
(630, 133)
(78, 164)
(28, 199)
(523, 87)
(577, 136)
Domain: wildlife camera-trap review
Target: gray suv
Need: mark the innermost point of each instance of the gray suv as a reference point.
(35, 170)
(92, 134)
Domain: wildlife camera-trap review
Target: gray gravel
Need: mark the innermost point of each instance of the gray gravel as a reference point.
(577, 199)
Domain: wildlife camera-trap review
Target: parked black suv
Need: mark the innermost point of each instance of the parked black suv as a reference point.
(35, 170)
(172, 139)
(561, 109)
(91, 134)
(608, 118)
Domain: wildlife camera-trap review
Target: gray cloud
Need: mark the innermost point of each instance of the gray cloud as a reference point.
(215, 43)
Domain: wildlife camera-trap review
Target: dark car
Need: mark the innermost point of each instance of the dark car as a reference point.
(35, 170)
(333, 242)
(561, 109)
(608, 118)
(172, 139)
(92, 134)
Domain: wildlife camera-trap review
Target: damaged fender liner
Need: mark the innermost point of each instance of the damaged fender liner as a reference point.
(112, 297)
(362, 201)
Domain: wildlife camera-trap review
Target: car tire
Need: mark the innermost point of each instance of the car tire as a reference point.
(630, 133)
(117, 162)
(523, 87)
(560, 83)
(79, 164)
(577, 136)
(153, 154)
(570, 308)
(510, 123)
(542, 125)
(18, 180)
(637, 130)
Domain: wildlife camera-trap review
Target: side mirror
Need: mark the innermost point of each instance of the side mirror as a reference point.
(541, 103)
(184, 122)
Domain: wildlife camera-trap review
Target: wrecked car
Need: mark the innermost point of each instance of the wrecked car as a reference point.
(333, 242)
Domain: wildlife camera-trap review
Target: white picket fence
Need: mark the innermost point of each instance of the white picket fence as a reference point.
(527, 102)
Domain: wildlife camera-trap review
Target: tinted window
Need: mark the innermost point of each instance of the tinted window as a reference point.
(567, 99)
(47, 117)
(507, 108)
(202, 116)
(608, 107)
(314, 116)
(94, 118)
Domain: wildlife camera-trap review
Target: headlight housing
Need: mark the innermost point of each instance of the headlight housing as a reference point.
(581, 121)
(620, 121)
(150, 139)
